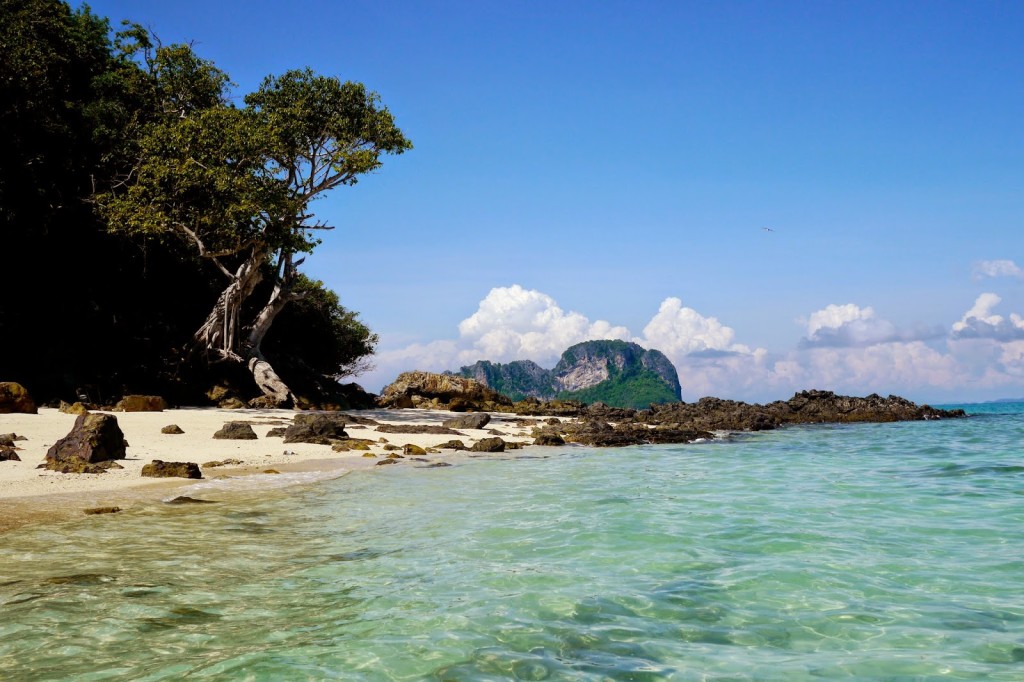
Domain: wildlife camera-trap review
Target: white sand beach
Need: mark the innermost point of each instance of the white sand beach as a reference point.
(29, 494)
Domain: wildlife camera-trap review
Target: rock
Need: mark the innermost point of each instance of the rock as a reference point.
(426, 389)
(475, 420)
(436, 465)
(415, 450)
(160, 469)
(185, 499)
(549, 439)
(73, 408)
(271, 471)
(321, 429)
(387, 461)
(172, 429)
(222, 463)
(276, 432)
(80, 467)
(7, 439)
(452, 445)
(15, 398)
(360, 446)
(94, 439)
(141, 403)
(102, 510)
(370, 455)
(489, 445)
(8, 454)
(236, 431)
(13, 437)
(231, 404)
(418, 429)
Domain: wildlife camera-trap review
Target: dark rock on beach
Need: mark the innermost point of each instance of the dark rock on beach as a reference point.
(95, 439)
(8, 454)
(160, 469)
(141, 403)
(276, 432)
(452, 445)
(418, 429)
(15, 398)
(321, 429)
(173, 429)
(474, 420)
(185, 499)
(489, 445)
(235, 431)
(549, 439)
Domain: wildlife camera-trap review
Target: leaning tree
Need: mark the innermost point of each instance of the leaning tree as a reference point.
(236, 184)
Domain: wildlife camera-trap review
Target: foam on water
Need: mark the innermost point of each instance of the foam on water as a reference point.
(888, 551)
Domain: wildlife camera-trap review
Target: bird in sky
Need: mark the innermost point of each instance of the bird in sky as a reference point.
(767, 229)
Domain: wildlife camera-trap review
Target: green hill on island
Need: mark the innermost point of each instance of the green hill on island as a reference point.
(617, 373)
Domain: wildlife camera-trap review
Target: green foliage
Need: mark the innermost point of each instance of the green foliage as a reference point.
(637, 390)
(328, 338)
(145, 132)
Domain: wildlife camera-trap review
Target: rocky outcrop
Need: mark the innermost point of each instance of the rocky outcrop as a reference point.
(14, 398)
(806, 407)
(235, 431)
(442, 391)
(619, 373)
(321, 429)
(94, 441)
(474, 420)
(518, 379)
(160, 469)
(141, 403)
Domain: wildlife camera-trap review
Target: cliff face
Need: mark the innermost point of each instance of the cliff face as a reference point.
(617, 373)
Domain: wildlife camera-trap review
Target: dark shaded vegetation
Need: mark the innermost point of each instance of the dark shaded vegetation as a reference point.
(97, 302)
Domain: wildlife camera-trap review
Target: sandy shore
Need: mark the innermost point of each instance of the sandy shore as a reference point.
(29, 494)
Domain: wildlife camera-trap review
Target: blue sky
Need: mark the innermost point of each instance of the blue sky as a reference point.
(585, 168)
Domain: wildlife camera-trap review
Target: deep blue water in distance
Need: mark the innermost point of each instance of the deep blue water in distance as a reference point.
(875, 551)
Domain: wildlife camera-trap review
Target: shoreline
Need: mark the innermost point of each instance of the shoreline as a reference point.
(32, 496)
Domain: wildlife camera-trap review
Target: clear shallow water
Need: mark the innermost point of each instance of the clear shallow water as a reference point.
(872, 551)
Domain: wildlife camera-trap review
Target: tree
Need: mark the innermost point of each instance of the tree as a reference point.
(236, 184)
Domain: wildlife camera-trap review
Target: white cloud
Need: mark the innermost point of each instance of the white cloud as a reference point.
(997, 268)
(513, 323)
(678, 331)
(981, 322)
(849, 325)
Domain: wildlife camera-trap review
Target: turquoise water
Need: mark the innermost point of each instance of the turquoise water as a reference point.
(890, 551)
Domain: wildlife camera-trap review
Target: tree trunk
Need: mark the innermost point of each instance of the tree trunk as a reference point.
(269, 382)
(220, 332)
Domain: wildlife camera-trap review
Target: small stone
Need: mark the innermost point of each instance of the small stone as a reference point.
(411, 449)
(276, 432)
(7, 454)
(387, 461)
(172, 429)
(369, 454)
(271, 471)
